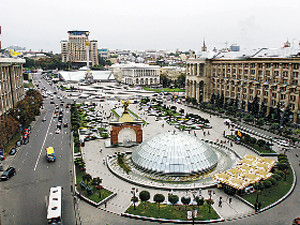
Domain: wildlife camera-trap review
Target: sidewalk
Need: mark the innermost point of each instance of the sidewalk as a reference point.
(94, 165)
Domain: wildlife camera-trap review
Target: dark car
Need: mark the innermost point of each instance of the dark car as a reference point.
(8, 173)
(12, 151)
(65, 124)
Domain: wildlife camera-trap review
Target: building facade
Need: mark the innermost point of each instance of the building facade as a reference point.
(74, 50)
(270, 75)
(11, 83)
(137, 74)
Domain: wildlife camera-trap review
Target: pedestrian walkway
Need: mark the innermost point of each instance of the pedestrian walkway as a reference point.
(95, 166)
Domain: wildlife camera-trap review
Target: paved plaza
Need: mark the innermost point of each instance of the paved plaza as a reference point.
(118, 204)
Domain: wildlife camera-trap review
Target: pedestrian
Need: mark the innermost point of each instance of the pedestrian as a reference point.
(195, 133)
(208, 132)
(230, 200)
(105, 203)
(231, 144)
(203, 133)
(163, 125)
(220, 203)
(100, 150)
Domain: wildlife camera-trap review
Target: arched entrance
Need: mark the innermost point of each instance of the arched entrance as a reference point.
(124, 133)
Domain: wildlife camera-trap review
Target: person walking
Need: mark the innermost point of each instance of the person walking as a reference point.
(100, 150)
(105, 203)
(230, 200)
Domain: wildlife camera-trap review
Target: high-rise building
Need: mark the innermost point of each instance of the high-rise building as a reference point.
(271, 76)
(11, 83)
(75, 49)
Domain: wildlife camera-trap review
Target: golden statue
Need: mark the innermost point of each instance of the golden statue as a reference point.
(125, 104)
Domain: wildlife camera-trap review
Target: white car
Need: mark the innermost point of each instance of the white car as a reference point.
(57, 131)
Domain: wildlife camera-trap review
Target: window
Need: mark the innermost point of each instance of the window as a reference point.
(295, 74)
(285, 65)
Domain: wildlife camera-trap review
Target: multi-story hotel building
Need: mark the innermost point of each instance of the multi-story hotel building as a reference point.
(11, 83)
(270, 74)
(74, 50)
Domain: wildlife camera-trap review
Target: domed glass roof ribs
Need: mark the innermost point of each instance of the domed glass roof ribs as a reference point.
(177, 154)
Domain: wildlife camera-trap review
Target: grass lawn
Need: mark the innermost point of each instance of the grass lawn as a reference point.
(272, 194)
(165, 89)
(172, 212)
(95, 196)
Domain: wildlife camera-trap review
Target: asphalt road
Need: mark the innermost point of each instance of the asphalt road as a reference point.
(24, 196)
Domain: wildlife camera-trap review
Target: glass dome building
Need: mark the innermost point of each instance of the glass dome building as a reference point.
(175, 154)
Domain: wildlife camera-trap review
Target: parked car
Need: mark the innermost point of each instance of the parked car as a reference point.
(57, 131)
(65, 124)
(8, 173)
(12, 151)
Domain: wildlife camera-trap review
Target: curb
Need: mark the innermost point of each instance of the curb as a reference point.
(154, 219)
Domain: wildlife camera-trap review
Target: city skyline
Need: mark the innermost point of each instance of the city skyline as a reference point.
(157, 24)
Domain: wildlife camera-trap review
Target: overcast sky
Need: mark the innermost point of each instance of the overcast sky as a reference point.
(155, 24)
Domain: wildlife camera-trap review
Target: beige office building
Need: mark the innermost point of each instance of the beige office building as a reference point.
(11, 83)
(270, 74)
(74, 50)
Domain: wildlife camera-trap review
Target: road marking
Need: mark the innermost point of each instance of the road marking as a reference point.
(39, 156)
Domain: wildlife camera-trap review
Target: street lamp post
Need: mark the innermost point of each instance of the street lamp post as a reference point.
(194, 193)
(209, 202)
(134, 191)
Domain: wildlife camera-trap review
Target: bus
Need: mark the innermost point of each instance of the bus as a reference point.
(50, 154)
(54, 206)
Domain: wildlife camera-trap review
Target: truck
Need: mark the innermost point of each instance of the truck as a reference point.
(50, 154)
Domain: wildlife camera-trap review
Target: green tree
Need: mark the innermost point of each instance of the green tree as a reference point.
(260, 122)
(158, 198)
(199, 200)
(263, 110)
(144, 196)
(255, 107)
(30, 63)
(285, 119)
(173, 199)
(180, 81)
(186, 200)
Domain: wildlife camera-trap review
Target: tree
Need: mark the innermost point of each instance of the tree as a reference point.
(173, 199)
(263, 110)
(165, 81)
(199, 200)
(260, 122)
(159, 198)
(212, 99)
(87, 178)
(144, 196)
(186, 200)
(255, 107)
(30, 63)
(285, 119)
(180, 81)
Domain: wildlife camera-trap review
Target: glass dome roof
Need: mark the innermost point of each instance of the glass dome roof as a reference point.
(174, 154)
